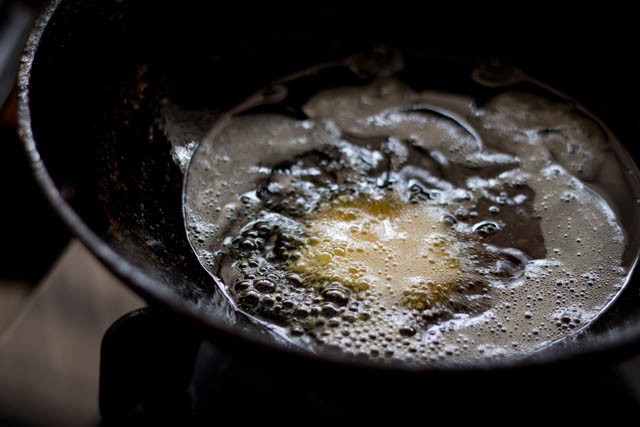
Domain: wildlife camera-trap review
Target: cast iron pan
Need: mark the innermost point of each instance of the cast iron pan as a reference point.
(95, 73)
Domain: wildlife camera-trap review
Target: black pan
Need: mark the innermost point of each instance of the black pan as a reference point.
(94, 75)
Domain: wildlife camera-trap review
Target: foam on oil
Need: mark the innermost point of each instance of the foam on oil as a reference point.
(418, 226)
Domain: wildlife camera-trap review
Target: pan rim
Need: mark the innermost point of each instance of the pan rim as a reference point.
(625, 341)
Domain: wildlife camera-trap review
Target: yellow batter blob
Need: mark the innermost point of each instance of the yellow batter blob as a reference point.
(401, 249)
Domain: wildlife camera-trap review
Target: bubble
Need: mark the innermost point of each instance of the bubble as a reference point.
(301, 312)
(329, 310)
(336, 294)
(267, 301)
(486, 228)
(250, 299)
(243, 285)
(265, 285)
(407, 331)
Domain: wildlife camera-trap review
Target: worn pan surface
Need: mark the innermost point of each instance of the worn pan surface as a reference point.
(95, 74)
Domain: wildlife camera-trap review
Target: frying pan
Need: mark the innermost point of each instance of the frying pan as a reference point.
(95, 74)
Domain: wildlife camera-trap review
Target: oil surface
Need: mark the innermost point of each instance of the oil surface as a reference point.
(419, 225)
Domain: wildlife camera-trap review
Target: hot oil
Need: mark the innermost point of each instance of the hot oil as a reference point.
(425, 226)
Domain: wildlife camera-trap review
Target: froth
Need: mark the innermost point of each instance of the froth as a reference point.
(408, 225)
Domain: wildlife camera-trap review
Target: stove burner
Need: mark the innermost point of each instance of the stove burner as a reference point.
(157, 367)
